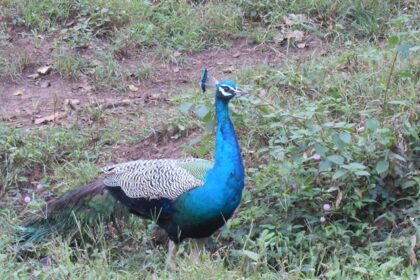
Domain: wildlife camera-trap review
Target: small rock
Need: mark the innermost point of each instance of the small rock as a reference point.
(74, 101)
(229, 69)
(44, 70)
(287, 20)
(133, 88)
(236, 55)
(45, 84)
(176, 69)
(155, 96)
(71, 104)
(18, 93)
(296, 35)
(84, 45)
(33, 76)
(278, 38)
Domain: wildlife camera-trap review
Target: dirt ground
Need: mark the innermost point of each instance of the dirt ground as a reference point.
(50, 98)
(26, 101)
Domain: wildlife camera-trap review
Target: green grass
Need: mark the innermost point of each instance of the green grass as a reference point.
(183, 26)
(13, 67)
(366, 168)
(69, 65)
(339, 127)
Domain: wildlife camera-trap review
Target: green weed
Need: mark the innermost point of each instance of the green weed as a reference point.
(331, 141)
(328, 172)
(144, 72)
(12, 67)
(108, 73)
(70, 65)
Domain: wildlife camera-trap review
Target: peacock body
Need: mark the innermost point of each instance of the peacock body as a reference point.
(188, 198)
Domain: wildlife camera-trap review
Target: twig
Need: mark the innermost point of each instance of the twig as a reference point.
(385, 104)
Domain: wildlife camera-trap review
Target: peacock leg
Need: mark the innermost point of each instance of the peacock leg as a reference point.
(170, 261)
(199, 247)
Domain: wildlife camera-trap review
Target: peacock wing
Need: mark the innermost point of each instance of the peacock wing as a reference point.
(197, 167)
(154, 179)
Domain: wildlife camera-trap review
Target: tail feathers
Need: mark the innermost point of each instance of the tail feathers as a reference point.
(68, 213)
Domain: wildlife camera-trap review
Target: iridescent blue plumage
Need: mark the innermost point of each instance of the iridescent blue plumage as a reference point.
(201, 211)
(189, 198)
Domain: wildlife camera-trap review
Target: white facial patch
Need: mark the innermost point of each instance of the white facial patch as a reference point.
(225, 93)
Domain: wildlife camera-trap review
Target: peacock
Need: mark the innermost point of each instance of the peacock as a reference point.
(188, 198)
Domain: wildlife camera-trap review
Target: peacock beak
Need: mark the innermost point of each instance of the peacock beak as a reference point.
(240, 91)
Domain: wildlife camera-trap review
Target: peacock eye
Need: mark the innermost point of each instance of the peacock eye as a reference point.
(226, 89)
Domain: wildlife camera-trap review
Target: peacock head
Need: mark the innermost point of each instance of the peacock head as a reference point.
(225, 90)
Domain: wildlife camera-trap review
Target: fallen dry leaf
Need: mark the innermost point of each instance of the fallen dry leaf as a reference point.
(411, 253)
(70, 23)
(176, 69)
(44, 70)
(177, 53)
(50, 118)
(236, 55)
(338, 199)
(133, 88)
(301, 45)
(95, 62)
(360, 129)
(18, 93)
(333, 189)
(45, 84)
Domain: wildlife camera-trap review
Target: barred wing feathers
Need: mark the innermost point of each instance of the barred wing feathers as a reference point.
(154, 179)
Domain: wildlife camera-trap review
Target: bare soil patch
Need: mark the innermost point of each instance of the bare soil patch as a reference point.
(22, 102)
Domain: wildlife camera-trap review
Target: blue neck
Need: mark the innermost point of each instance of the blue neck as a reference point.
(228, 160)
(211, 204)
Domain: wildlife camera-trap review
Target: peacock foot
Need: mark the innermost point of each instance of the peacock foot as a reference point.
(198, 249)
(170, 260)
